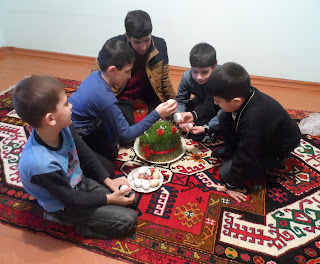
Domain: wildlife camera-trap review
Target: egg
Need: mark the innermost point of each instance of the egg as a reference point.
(190, 124)
(154, 183)
(156, 175)
(142, 170)
(171, 101)
(177, 117)
(145, 184)
(137, 182)
(135, 174)
(124, 187)
(148, 172)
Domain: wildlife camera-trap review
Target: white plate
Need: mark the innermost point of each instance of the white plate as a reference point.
(136, 150)
(151, 189)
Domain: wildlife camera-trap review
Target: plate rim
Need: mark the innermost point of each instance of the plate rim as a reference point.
(140, 189)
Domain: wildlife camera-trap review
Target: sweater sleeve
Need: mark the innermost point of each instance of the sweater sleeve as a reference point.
(184, 93)
(59, 188)
(207, 110)
(168, 91)
(119, 125)
(89, 163)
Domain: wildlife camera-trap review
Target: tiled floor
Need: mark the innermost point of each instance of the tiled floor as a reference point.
(24, 247)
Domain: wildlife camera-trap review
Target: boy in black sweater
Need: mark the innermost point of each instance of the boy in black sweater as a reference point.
(258, 132)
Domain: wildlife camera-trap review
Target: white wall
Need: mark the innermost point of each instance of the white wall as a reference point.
(279, 39)
(2, 41)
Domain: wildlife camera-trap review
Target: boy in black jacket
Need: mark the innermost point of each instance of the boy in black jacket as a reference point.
(258, 132)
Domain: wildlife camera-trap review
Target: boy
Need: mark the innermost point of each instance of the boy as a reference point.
(150, 80)
(95, 111)
(59, 170)
(203, 62)
(258, 132)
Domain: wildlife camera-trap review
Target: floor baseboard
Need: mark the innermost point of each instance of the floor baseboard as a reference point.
(174, 70)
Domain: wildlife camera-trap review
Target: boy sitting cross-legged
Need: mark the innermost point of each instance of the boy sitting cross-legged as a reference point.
(203, 63)
(59, 170)
(258, 132)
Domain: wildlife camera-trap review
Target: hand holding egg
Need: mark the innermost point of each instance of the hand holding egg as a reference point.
(124, 187)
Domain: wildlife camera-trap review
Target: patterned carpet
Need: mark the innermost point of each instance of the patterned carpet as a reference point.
(186, 220)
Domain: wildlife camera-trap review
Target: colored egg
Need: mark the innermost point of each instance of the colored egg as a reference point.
(145, 184)
(154, 183)
(137, 182)
(156, 175)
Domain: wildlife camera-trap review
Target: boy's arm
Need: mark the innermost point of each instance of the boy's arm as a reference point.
(114, 118)
(58, 187)
(183, 95)
(89, 163)
(207, 110)
(167, 87)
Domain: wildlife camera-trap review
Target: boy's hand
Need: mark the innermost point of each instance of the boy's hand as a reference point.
(197, 130)
(186, 117)
(185, 127)
(237, 194)
(167, 108)
(114, 184)
(118, 197)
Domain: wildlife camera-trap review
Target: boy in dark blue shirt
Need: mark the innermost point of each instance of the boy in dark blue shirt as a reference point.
(96, 114)
(193, 91)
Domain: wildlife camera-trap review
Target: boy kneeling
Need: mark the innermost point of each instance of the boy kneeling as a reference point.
(258, 133)
(60, 170)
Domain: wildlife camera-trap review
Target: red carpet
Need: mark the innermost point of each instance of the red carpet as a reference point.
(186, 220)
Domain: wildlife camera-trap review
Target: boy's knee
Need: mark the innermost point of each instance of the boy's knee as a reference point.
(225, 169)
(129, 220)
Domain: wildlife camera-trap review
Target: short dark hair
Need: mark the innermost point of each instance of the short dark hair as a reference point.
(203, 55)
(35, 96)
(138, 24)
(229, 81)
(115, 52)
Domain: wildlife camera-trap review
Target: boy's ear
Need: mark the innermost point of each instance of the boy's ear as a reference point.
(49, 119)
(215, 67)
(238, 101)
(111, 69)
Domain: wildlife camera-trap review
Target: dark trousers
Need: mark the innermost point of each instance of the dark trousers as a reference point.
(107, 221)
(127, 107)
(105, 149)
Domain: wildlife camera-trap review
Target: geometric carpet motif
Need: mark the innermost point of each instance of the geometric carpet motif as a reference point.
(187, 220)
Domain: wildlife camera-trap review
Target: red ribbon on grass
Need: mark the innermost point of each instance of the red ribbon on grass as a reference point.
(148, 151)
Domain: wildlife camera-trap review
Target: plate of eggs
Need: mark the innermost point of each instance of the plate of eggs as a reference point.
(145, 179)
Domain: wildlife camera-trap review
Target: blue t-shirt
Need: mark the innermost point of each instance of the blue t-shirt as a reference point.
(37, 159)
